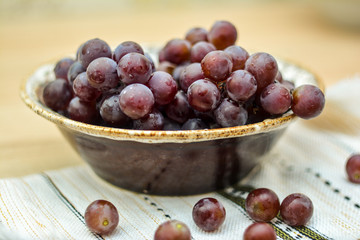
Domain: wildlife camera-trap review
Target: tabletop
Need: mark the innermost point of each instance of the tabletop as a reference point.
(33, 33)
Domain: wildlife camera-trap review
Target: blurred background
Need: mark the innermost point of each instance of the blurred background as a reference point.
(321, 35)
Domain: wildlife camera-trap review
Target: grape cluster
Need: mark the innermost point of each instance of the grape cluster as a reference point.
(202, 81)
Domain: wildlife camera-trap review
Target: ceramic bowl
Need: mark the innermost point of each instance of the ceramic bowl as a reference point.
(168, 162)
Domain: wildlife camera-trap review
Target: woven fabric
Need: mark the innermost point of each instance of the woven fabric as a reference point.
(310, 158)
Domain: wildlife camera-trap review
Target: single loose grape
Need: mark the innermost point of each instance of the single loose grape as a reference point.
(308, 101)
(208, 214)
(101, 217)
(172, 230)
(296, 209)
(259, 231)
(262, 204)
(353, 168)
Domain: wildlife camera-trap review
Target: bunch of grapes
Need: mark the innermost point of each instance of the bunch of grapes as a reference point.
(202, 81)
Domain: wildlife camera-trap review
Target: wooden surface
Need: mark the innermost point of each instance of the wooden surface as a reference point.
(29, 143)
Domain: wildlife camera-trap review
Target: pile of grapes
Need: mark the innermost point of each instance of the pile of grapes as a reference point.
(201, 81)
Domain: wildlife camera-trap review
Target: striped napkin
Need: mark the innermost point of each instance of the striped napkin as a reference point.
(310, 158)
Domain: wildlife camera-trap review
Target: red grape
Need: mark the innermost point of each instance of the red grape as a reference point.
(196, 34)
(208, 214)
(177, 51)
(296, 209)
(124, 48)
(194, 124)
(57, 94)
(136, 100)
(190, 74)
(241, 85)
(101, 217)
(259, 231)
(84, 90)
(62, 67)
(134, 68)
(179, 109)
(238, 56)
(222, 34)
(166, 66)
(152, 121)
(199, 51)
(217, 65)
(93, 49)
(82, 111)
(262, 204)
(230, 114)
(111, 113)
(308, 101)
(275, 98)
(203, 95)
(163, 86)
(75, 69)
(353, 168)
(172, 230)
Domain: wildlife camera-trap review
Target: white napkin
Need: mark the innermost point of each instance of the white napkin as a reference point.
(310, 158)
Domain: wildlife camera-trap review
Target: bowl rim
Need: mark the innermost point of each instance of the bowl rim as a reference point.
(28, 95)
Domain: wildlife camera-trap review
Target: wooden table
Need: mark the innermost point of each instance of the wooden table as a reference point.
(30, 38)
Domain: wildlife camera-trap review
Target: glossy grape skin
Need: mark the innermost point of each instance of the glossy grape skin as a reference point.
(194, 124)
(177, 72)
(262, 204)
(308, 101)
(296, 209)
(134, 68)
(111, 113)
(84, 90)
(166, 66)
(75, 69)
(199, 51)
(172, 230)
(222, 34)
(153, 121)
(93, 49)
(353, 168)
(217, 65)
(177, 51)
(203, 95)
(196, 34)
(179, 109)
(62, 67)
(101, 217)
(102, 74)
(238, 56)
(263, 67)
(124, 48)
(241, 85)
(230, 114)
(82, 111)
(208, 214)
(190, 74)
(57, 94)
(136, 100)
(259, 231)
(275, 98)
(163, 86)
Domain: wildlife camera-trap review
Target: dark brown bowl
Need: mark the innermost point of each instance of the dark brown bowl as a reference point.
(168, 162)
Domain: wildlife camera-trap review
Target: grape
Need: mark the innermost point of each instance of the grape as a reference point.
(172, 230)
(170, 125)
(177, 72)
(152, 121)
(190, 74)
(203, 95)
(101, 217)
(166, 66)
(199, 51)
(162, 55)
(163, 86)
(84, 90)
(275, 98)
(102, 74)
(111, 113)
(296, 209)
(134, 68)
(196, 34)
(289, 85)
(57, 94)
(241, 85)
(93, 49)
(238, 56)
(353, 168)
(217, 65)
(124, 48)
(82, 111)
(230, 114)
(262, 204)
(62, 67)
(194, 124)
(308, 101)
(136, 100)
(75, 69)
(179, 109)
(222, 34)
(208, 214)
(263, 67)
(259, 231)
(206, 117)
(177, 51)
